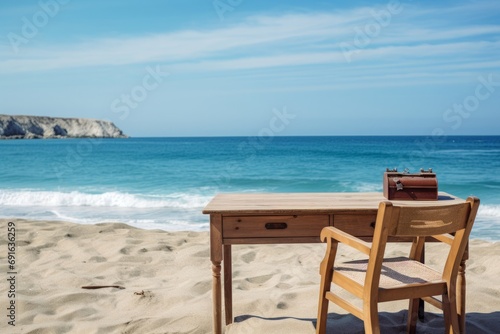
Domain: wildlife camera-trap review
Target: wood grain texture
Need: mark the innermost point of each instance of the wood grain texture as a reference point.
(293, 203)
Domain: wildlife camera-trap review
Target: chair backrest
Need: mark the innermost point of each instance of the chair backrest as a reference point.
(428, 221)
(425, 221)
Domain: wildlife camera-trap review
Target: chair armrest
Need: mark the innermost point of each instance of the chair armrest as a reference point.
(345, 238)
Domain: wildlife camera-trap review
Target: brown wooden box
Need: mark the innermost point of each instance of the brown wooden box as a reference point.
(414, 187)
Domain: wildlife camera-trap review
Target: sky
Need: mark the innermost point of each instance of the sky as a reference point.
(166, 68)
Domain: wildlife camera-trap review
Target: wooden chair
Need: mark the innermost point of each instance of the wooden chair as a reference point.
(380, 279)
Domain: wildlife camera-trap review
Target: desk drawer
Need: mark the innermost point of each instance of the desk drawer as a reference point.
(274, 226)
(358, 225)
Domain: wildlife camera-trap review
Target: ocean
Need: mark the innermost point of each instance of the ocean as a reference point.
(164, 183)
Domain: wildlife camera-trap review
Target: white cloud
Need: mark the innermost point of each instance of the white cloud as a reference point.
(414, 36)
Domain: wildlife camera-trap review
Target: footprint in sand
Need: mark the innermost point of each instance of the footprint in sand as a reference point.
(133, 241)
(259, 279)
(478, 269)
(125, 250)
(136, 259)
(97, 259)
(127, 273)
(203, 287)
(250, 282)
(181, 242)
(248, 257)
(282, 306)
(166, 248)
(204, 253)
(284, 286)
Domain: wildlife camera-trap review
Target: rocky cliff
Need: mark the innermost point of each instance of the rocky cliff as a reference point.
(54, 127)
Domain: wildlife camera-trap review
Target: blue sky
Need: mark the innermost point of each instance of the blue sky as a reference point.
(248, 68)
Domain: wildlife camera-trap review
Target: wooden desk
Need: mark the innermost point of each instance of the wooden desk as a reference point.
(273, 218)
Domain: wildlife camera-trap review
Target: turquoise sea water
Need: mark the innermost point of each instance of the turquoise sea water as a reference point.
(165, 182)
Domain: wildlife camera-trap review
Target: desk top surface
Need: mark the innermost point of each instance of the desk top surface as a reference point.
(272, 203)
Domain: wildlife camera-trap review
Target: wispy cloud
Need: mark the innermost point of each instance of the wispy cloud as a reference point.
(417, 38)
(256, 32)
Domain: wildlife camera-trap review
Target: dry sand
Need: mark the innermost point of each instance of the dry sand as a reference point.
(167, 279)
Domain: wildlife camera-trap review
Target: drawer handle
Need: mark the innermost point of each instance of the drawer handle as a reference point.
(372, 225)
(276, 226)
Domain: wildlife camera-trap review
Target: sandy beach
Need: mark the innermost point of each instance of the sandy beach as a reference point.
(160, 282)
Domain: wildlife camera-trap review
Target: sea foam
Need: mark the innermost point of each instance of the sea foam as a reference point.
(107, 199)
(174, 211)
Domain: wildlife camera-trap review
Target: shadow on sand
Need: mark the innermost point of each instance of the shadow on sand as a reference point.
(395, 323)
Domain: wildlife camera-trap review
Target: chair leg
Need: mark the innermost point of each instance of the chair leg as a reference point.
(450, 314)
(322, 315)
(326, 272)
(411, 327)
(371, 320)
(326, 282)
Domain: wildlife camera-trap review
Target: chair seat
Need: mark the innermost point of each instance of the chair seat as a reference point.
(395, 272)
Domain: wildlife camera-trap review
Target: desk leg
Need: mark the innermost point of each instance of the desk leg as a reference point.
(216, 258)
(461, 297)
(216, 295)
(228, 284)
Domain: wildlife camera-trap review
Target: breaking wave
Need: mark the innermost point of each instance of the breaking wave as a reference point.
(107, 199)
